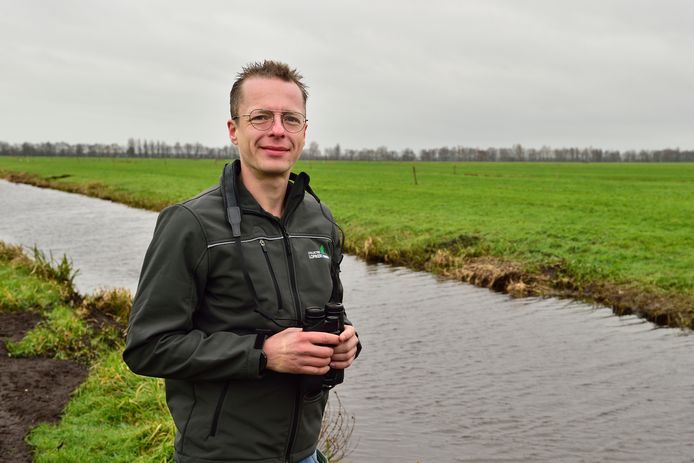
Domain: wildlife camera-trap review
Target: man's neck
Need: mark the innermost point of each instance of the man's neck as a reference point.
(268, 191)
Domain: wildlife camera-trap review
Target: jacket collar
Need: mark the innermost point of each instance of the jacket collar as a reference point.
(296, 187)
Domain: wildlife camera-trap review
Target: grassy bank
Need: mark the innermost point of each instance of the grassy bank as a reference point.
(115, 416)
(618, 234)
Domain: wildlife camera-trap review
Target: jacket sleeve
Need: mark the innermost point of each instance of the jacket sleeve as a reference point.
(162, 340)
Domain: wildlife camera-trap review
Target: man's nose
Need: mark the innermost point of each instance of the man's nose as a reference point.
(277, 127)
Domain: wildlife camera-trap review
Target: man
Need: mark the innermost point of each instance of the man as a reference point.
(224, 289)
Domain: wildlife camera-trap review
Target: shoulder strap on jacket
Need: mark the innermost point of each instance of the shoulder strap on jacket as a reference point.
(230, 196)
(304, 179)
(232, 211)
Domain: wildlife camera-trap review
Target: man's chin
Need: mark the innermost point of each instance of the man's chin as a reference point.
(276, 167)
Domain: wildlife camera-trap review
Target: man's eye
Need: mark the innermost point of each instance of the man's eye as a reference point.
(291, 119)
(261, 117)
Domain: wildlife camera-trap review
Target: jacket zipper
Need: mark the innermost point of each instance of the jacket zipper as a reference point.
(218, 410)
(292, 275)
(297, 307)
(272, 274)
(295, 293)
(295, 423)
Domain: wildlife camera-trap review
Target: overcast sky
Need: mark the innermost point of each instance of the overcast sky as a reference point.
(602, 73)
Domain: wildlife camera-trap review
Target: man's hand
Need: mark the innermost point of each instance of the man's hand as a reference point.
(346, 350)
(300, 352)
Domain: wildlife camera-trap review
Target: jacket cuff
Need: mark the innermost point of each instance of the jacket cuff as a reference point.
(359, 346)
(257, 360)
(254, 364)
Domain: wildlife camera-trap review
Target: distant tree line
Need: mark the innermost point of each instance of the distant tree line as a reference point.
(134, 148)
(517, 153)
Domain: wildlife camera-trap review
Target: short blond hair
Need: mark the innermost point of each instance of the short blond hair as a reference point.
(267, 69)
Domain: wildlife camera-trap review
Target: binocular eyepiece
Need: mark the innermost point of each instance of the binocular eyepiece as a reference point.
(328, 319)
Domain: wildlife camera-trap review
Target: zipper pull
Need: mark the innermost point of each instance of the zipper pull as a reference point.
(287, 246)
(262, 245)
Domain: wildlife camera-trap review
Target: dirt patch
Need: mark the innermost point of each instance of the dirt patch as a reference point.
(32, 390)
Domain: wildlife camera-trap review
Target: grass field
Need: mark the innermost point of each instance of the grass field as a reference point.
(621, 234)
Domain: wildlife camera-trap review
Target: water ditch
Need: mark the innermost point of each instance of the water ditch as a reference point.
(450, 372)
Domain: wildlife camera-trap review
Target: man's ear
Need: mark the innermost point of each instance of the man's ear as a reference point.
(231, 128)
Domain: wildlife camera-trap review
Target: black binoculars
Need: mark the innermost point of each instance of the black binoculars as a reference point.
(330, 319)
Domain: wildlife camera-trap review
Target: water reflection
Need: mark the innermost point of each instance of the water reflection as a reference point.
(107, 241)
(450, 372)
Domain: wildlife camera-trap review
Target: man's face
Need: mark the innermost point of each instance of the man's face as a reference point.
(271, 152)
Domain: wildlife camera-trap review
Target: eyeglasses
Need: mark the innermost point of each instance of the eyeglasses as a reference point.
(263, 119)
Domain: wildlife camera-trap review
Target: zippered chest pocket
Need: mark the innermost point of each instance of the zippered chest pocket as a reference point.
(273, 275)
(313, 259)
(269, 270)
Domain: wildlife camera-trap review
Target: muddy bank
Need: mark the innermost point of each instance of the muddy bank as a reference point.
(32, 390)
(665, 309)
(35, 383)
(672, 310)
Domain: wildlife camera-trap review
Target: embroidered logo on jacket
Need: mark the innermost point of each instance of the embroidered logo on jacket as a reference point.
(320, 254)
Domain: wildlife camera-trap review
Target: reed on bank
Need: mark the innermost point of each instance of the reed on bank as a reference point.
(617, 234)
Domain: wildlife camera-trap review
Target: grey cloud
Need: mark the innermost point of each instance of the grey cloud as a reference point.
(482, 73)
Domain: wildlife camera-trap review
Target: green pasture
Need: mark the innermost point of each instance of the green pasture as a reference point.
(622, 223)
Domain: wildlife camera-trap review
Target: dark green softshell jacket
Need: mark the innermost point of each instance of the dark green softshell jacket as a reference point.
(195, 323)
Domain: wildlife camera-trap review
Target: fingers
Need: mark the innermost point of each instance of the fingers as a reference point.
(341, 365)
(317, 371)
(348, 345)
(293, 350)
(347, 333)
(313, 351)
(301, 352)
(308, 365)
(346, 351)
(318, 337)
(342, 358)
(344, 355)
